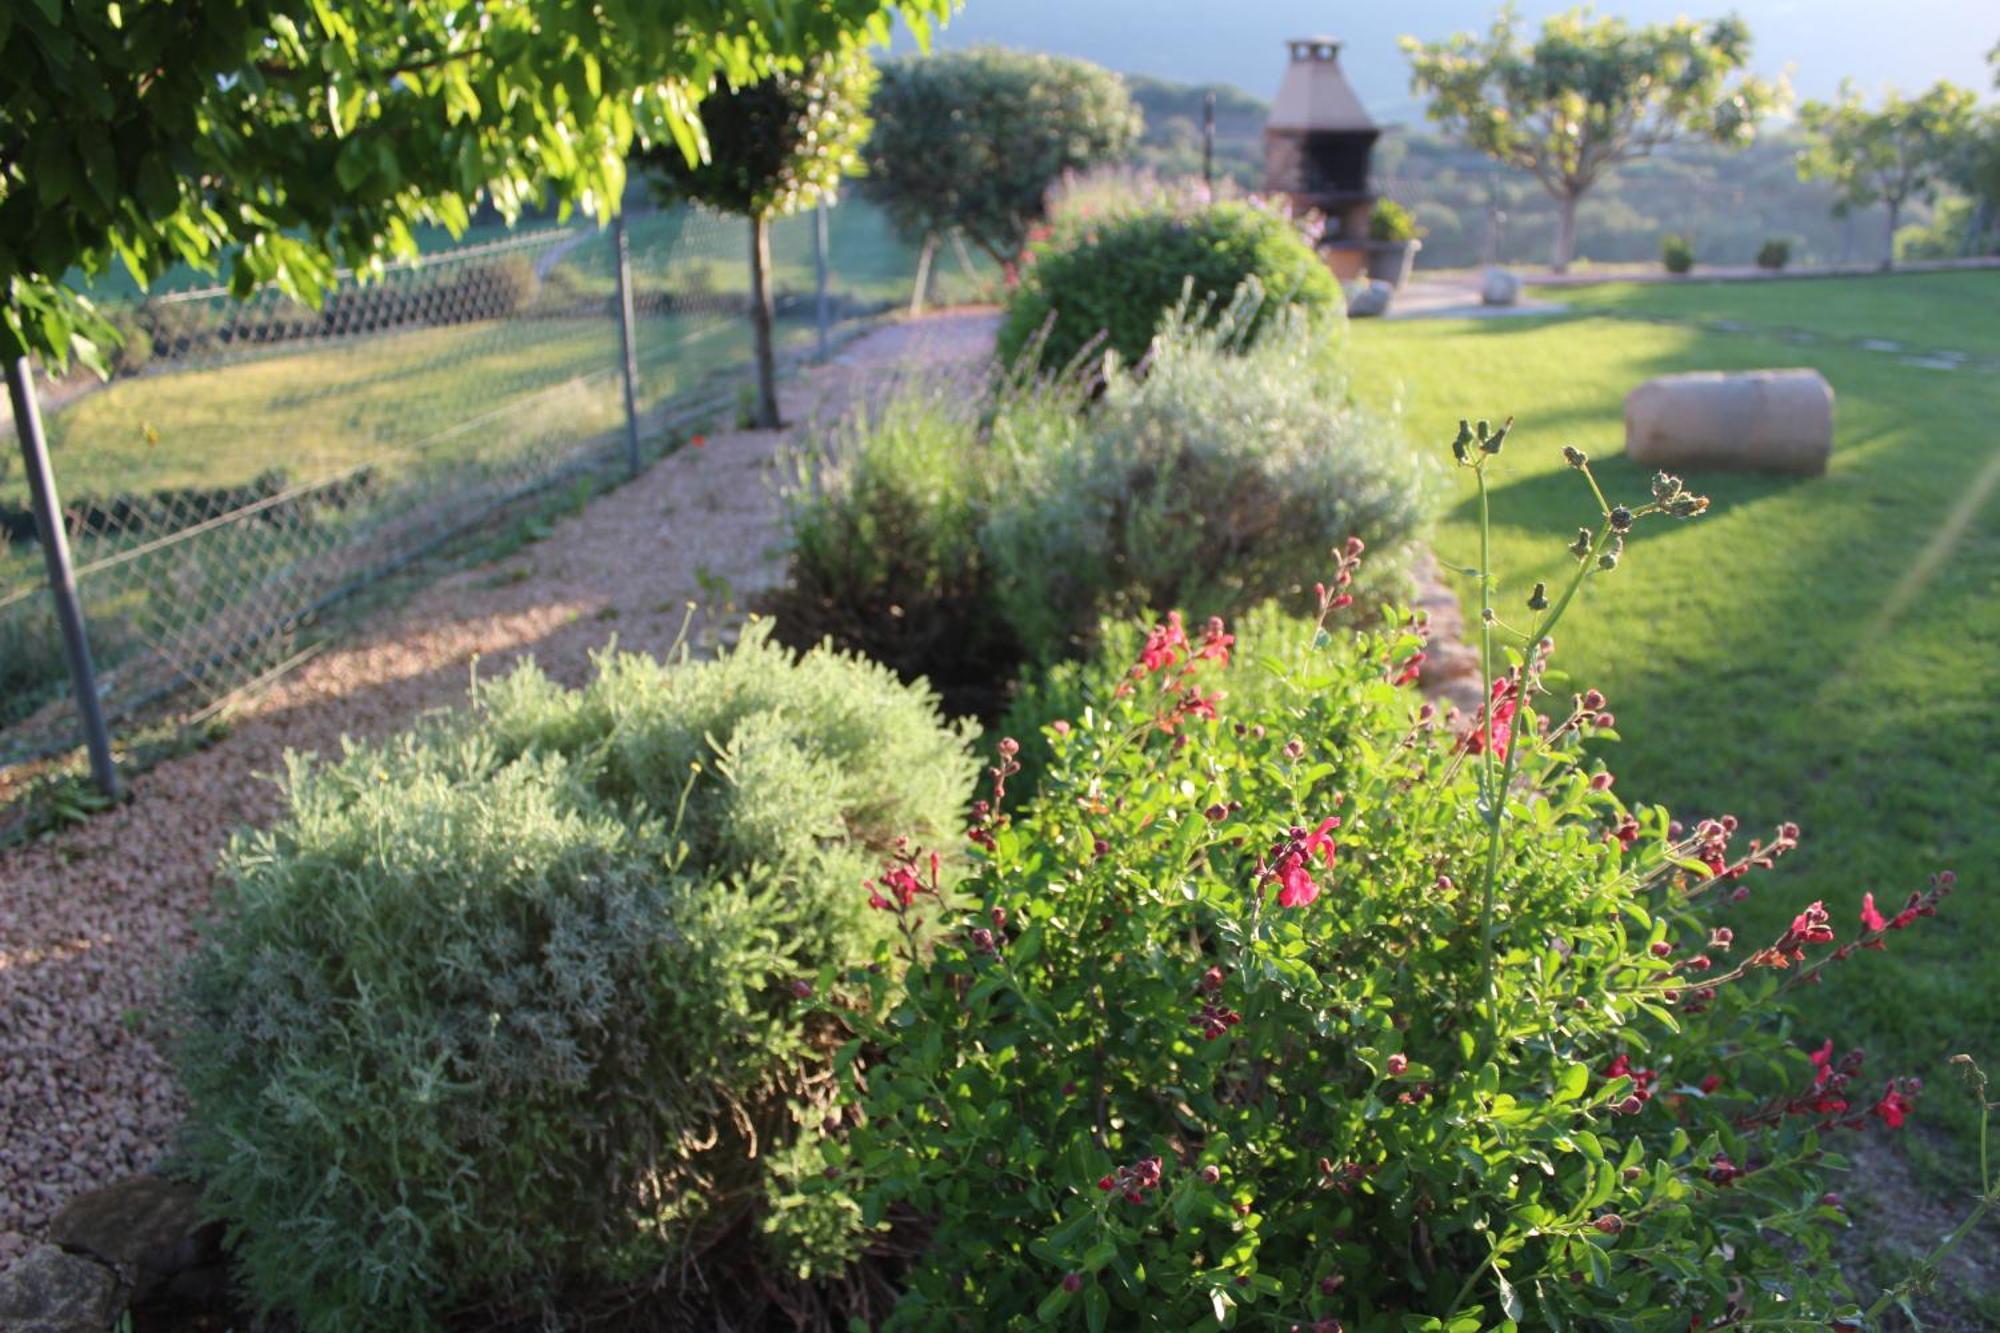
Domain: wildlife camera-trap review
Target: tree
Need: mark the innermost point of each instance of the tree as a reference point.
(1898, 152)
(973, 139)
(1589, 94)
(284, 138)
(775, 146)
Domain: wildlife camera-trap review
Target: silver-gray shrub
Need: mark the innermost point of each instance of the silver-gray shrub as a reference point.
(1213, 476)
(503, 1007)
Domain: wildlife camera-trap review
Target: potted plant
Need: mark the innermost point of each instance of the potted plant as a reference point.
(1393, 241)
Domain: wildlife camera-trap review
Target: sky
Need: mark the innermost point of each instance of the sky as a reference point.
(1909, 43)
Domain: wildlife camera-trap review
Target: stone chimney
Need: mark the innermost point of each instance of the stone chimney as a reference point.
(1319, 138)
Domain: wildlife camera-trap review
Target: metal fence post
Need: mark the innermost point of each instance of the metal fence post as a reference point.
(62, 580)
(823, 312)
(622, 262)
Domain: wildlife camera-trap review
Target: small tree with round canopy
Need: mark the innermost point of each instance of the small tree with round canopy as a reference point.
(1902, 150)
(775, 145)
(972, 140)
(1588, 94)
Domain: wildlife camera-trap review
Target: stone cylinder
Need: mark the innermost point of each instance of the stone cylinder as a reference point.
(1760, 420)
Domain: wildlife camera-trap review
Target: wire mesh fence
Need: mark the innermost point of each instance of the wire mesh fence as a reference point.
(250, 463)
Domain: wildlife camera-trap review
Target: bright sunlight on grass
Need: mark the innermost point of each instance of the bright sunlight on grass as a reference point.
(1823, 650)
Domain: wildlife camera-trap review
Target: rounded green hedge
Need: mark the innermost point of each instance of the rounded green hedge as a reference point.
(508, 1008)
(1122, 276)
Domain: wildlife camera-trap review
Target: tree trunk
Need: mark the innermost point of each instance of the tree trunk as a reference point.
(1565, 233)
(762, 313)
(1889, 246)
(921, 289)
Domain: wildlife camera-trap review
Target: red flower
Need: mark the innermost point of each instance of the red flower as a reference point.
(697, 440)
(1293, 858)
(1164, 646)
(1894, 1107)
(1711, 1083)
(1812, 926)
(1410, 670)
(1502, 708)
(1215, 643)
(1822, 1061)
(1296, 885)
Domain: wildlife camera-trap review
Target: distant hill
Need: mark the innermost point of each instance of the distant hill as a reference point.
(1727, 203)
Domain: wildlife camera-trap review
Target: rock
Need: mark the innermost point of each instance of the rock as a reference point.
(48, 1291)
(1499, 288)
(1371, 300)
(1764, 420)
(147, 1230)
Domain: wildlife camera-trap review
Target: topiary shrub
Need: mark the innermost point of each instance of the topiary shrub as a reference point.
(1337, 1011)
(499, 1015)
(1209, 482)
(1676, 253)
(1121, 275)
(1774, 254)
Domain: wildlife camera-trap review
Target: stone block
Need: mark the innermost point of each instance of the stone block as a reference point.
(1760, 420)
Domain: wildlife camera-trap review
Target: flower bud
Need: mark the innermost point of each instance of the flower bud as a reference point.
(1630, 1106)
(1209, 1175)
(1538, 600)
(1331, 1283)
(1072, 1282)
(1610, 1224)
(1491, 443)
(1397, 1064)
(1581, 546)
(802, 989)
(1660, 948)
(1574, 456)
(1621, 519)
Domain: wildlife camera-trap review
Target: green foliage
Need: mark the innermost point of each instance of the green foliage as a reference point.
(1390, 221)
(776, 145)
(1185, 1064)
(1774, 254)
(973, 139)
(1871, 725)
(883, 513)
(1106, 281)
(1209, 482)
(506, 1005)
(1590, 93)
(1676, 253)
(1900, 151)
(288, 137)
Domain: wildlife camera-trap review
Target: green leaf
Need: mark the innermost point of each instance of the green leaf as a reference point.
(1572, 1083)
(1096, 1307)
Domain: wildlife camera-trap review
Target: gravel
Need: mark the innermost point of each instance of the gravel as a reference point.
(94, 920)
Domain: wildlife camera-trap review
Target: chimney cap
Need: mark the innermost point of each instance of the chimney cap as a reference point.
(1314, 94)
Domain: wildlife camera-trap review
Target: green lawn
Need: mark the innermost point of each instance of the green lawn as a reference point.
(1823, 650)
(1923, 311)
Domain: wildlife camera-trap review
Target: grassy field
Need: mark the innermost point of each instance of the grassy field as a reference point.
(1823, 650)
(1922, 311)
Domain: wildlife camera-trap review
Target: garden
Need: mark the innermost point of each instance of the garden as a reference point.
(1224, 815)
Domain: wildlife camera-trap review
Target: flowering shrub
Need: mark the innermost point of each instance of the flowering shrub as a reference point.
(501, 1008)
(1105, 279)
(1342, 1011)
(1204, 484)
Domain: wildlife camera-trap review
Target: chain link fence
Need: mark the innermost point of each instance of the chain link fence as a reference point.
(250, 463)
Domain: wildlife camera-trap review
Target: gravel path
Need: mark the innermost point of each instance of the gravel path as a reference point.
(93, 921)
